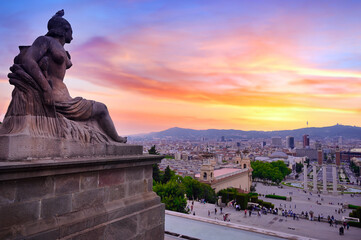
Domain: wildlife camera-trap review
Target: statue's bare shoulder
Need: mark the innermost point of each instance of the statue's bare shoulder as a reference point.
(39, 47)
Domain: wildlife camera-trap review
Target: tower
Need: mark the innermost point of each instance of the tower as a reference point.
(319, 156)
(306, 141)
(290, 142)
(207, 171)
(245, 162)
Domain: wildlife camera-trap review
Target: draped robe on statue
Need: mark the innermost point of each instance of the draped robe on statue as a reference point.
(28, 114)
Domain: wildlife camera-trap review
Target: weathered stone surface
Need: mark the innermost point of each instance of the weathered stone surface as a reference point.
(22, 147)
(49, 209)
(148, 171)
(150, 219)
(67, 184)
(73, 228)
(99, 219)
(140, 236)
(25, 147)
(133, 174)
(154, 233)
(136, 187)
(35, 189)
(7, 192)
(87, 199)
(150, 184)
(7, 233)
(52, 234)
(126, 228)
(89, 181)
(52, 207)
(116, 192)
(111, 177)
(97, 233)
(19, 213)
(54, 167)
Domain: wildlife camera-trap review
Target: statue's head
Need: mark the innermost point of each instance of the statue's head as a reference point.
(60, 27)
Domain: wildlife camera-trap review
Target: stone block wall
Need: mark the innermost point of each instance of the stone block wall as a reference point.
(109, 198)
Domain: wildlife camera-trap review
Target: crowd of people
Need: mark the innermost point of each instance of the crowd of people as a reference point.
(279, 211)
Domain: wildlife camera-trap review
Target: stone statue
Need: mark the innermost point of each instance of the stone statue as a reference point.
(41, 104)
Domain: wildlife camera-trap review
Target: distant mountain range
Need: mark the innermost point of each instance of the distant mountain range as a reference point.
(347, 132)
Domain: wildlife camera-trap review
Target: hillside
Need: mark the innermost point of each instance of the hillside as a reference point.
(347, 132)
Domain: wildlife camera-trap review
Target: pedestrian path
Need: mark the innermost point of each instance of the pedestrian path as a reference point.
(299, 203)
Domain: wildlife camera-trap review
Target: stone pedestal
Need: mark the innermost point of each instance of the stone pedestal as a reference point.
(19, 147)
(305, 187)
(81, 198)
(314, 170)
(324, 179)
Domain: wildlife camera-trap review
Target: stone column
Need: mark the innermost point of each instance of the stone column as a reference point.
(314, 169)
(305, 177)
(334, 176)
(324, 167)
(338, 157)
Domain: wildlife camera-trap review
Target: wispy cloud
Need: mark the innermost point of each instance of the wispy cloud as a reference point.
(276, 62)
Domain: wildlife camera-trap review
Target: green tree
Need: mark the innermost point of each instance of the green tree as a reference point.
(168, 174)
(355, 168)
(157, 174)
(153, 150)
(299, 167)
(275, 171)
(282, 167)
(172, 195)
(307, 161)
(197, 190)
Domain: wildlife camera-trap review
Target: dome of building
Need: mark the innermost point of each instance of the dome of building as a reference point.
(279, 155)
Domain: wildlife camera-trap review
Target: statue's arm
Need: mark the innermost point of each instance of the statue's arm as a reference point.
(30, 63)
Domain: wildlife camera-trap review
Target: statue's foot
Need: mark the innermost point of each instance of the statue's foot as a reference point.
(122, 139)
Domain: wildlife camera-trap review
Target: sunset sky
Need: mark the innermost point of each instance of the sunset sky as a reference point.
(247, 65)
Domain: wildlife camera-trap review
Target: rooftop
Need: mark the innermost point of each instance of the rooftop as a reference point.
(224, 172)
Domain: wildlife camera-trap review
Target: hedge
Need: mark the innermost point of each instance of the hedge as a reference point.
(262, 203)
(276, 197)
(267, 205)
(355, 224)
(231, 194)
(253, 194)
(353, 206)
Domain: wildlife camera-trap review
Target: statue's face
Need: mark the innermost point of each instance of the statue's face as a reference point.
(68, 34)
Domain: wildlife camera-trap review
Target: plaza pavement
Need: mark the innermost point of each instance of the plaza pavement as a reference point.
(301, 227)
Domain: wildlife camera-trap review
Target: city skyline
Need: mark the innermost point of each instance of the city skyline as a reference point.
(265, 65)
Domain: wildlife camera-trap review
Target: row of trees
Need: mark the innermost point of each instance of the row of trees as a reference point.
(173, 192)
(274, 171)
(172, 188)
